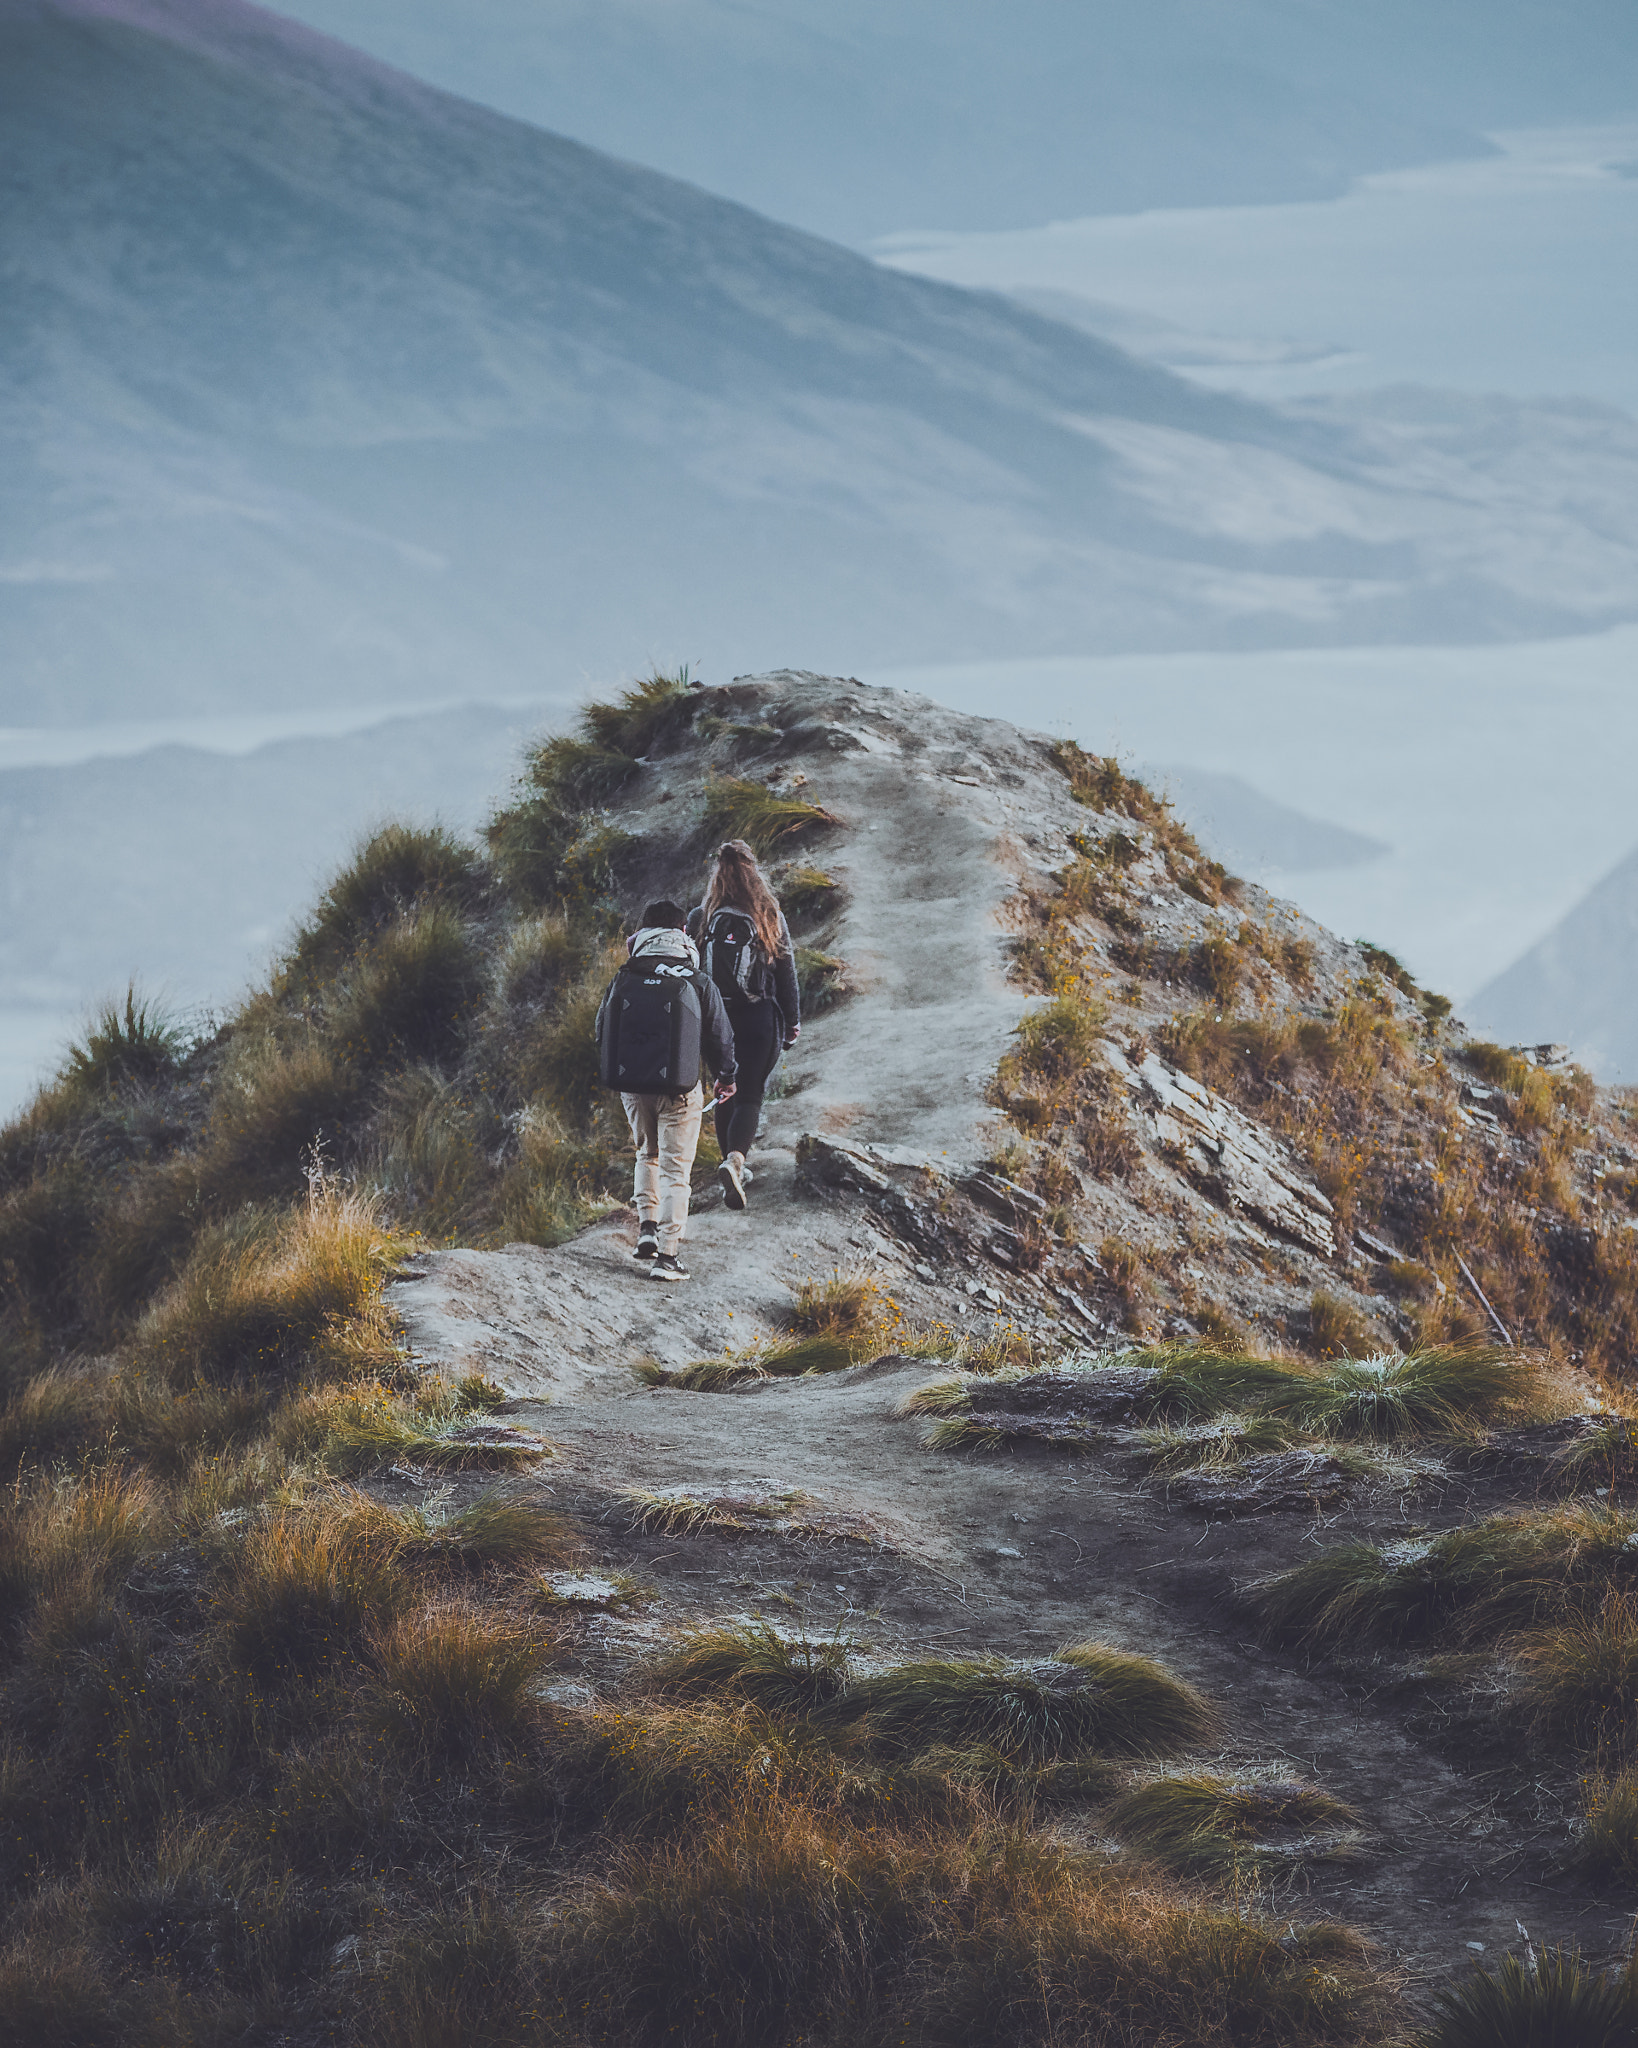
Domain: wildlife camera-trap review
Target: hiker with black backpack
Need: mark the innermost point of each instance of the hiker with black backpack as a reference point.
(746, 949)
(659, 1020)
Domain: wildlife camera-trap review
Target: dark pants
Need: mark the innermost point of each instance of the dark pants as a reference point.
(759, 1031)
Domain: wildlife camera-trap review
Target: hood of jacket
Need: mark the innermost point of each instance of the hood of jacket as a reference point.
(664, 940)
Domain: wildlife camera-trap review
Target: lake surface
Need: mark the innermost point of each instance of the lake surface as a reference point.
(1516, 273)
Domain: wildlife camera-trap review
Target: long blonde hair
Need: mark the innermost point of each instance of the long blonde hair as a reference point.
(738, 883)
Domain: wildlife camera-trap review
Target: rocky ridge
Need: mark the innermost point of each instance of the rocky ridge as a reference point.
(997, 1126)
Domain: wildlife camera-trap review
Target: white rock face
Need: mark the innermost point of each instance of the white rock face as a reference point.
(1239, 1162)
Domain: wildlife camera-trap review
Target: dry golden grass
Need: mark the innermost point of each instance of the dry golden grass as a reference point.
(452, 1674)
(783, 1927)
(305, 1587)
(277, 1297)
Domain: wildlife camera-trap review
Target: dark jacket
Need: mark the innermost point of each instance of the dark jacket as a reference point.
(778, 976)
(716, 1033)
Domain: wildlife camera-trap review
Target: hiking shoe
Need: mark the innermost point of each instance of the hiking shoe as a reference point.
(733, 1184)
(648, 1242)
(667, 1266)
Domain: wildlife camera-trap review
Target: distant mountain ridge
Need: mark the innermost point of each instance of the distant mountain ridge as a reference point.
(320, 384)
(858, 118)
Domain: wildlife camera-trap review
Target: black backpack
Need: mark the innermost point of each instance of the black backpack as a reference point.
(731, 954)
(648, 1036)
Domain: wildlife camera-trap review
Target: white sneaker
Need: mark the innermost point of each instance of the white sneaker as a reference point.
(733, 1183)
(667, 1266)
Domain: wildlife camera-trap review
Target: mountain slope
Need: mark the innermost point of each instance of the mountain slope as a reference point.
(319, 382)
(858, 120)
(1578, 983)
(1108, 1281)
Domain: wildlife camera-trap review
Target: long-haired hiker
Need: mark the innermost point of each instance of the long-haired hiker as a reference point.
(746, 948)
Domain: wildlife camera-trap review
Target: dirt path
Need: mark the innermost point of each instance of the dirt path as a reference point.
(1013, 1552)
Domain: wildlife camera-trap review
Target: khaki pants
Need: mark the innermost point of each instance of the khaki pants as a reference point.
(666, 1131)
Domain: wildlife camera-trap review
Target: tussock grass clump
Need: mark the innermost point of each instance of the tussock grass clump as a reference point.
(1214, 1403)
(680, 1511)
(53, 1415)
(1580, 1676)
(740, 809)
(1085, 1698)
(1607, 1845)
(462, 1977)
(307, 1586)
(641, 718)
(277, 1100)
(704, 1376)
(452, 1674)
(354, 1429)
(394, 872)
(173, 1428)
(494, 1530)
(1224, 1440)
(819, 981)
(1490, 1579)
(754, 1662)
(412, 993)
(783, 1928)
(806, 892)
(548, 844)
(135, 1042)
(1204, 1826)
(845, 1305)
(1444, 1390)
(1056, 1041)
(821, 1353)
(268, 1298)
(1547, 1999)
(76, 1533)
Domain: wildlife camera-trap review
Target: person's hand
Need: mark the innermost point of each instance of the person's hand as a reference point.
(792, 1036)
(726, 1091)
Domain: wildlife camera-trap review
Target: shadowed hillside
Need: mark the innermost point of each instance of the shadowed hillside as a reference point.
(1136, 1595)
(323, 386)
